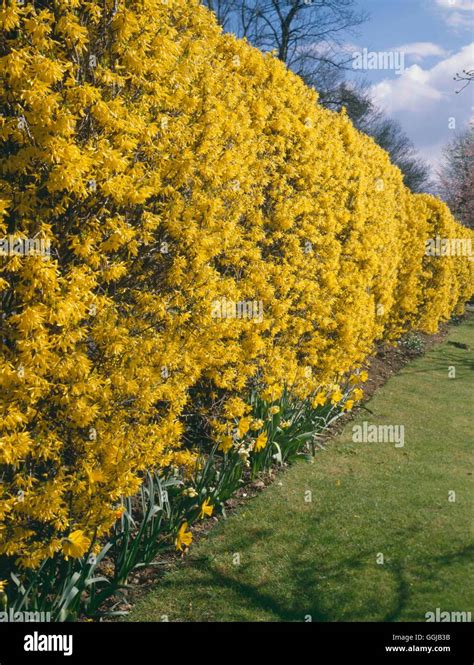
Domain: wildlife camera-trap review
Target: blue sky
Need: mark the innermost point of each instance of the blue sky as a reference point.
(436, 37)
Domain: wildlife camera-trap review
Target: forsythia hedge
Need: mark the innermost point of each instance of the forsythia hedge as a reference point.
(172, 167)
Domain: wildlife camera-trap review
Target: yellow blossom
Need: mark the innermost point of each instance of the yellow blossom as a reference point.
(357, 394)
(272, 393)
(184, 538)
(235, 407)
(75, 545)
(206, 509)
(225, 444)
(243, 427)
(190, 492)
(318, 400)
(180, 253)
(260, 441)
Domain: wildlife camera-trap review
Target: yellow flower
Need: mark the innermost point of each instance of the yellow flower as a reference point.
(261, 442)
(354, 379)
(184, 538)
(319, 400)
(336, 396)
(234, 407)
(226, 444)
(190, 491)
(285, 424)
(348, 405)
(75, 545)
(272, 393)
(357, 394)
(257, 424)
(215, 252)
(243, 427)
(119, 512)
(273, 410)
(206, 509)
(3, 584)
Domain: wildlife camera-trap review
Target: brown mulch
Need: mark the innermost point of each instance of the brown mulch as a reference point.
(389, 360)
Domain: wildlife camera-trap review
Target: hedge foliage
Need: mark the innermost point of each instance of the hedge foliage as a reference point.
(172, 167)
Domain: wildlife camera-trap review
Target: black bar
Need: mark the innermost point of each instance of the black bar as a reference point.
(125, 643)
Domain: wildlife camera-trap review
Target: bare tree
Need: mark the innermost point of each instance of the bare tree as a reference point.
(386, 131)
(222, 9)
(456, 177)
(466, 75)
(308, 35)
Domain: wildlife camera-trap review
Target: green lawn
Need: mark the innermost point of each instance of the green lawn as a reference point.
(319, 558)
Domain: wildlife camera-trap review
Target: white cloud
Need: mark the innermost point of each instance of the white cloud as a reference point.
(433, 154)
(457, 14)
(456, 20)
(416, 89)
(425, 102)
(420, 50)
(461, 5)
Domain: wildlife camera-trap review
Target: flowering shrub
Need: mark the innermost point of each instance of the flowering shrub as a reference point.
(88, 579)
(171, 169)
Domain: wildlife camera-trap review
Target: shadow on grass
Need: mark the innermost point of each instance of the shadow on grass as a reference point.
(306, 579)
(441, 361)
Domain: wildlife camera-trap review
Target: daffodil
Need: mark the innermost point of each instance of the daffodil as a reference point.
(260, 442)
(75, 545)
(243, 427)
(318, 400)
(357, 394)
(272, 393)
(184, 538)
(226, 444)
(206, 509)
(190, 492)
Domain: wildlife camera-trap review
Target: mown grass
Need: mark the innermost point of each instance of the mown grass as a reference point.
(318, 559)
